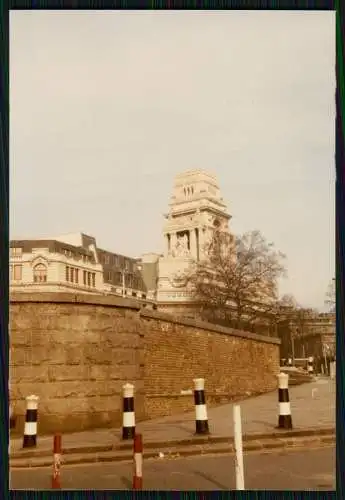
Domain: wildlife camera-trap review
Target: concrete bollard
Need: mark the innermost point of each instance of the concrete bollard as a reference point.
(30, 428)
(138, 462)
(56, 484)
(128, 427)
(285, 420)
(238, 447)
(311, 365)
(201, 422)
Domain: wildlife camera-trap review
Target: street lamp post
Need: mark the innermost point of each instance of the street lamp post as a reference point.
(292, 337)
(123, 282)
(325, 349)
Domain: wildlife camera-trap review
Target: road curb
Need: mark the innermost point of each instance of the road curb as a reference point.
(170, 451)
(191, 441)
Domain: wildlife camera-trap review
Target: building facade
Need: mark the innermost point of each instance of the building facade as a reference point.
(317, 337)
(196, 209)
(73, 262)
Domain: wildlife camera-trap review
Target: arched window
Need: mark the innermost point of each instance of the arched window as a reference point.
(40, 273)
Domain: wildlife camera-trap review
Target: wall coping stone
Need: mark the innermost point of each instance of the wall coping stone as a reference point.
(112, 301)
(73, 298)
(203, 325)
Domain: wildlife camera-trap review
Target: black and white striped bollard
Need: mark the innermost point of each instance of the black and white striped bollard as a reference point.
(128, 427)
(285, 420)
(30, 427)
(311, 365)
(201, 422)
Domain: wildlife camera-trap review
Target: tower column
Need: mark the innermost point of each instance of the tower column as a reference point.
(201, 242)
(173, 241)
(193, 249)
(167, 243)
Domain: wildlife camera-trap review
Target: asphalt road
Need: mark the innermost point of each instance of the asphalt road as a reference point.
(293, 470)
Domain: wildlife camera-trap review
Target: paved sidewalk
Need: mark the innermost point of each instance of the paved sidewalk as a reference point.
(312, 407)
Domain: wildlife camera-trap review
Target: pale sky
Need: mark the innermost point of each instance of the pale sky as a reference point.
(106, 107)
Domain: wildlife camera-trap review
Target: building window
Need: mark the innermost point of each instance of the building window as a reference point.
(143, 296)
(94, 280)
(67, 273)
(84, 277)
(76, 275)
(16, 272)
(40, 273)
(72, 275)
(16, 252)
(134, 294)
(88, 279)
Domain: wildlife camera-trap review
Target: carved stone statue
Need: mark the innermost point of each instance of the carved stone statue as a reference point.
(181, 249)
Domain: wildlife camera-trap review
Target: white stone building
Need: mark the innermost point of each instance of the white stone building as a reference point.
(196, 208)
(72, 262)
(52, 265)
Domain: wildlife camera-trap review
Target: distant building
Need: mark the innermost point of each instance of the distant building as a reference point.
(320, 340)
(73, 262)
(148, 266)
(317, 337)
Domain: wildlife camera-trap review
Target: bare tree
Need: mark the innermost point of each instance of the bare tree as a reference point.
(287, 308)
(238, 279)
(331, 295)
(293, 321)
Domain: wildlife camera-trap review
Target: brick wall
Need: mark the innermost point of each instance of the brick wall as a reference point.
(76, 351)
(233, 363)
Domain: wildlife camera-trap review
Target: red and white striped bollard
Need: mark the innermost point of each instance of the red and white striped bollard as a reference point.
(56, 483)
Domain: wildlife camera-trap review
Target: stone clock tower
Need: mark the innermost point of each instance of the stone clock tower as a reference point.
(196, 209)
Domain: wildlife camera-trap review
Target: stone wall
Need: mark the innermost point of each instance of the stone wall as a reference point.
(76, 351)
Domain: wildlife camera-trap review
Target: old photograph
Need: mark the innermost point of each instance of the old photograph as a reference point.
(172, 250)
